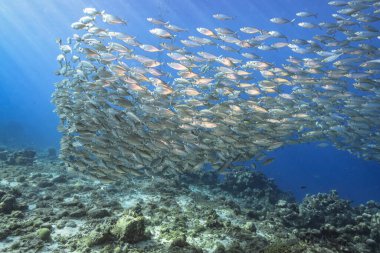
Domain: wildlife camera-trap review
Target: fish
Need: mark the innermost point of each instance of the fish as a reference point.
(332, 57)
(177, 66)
(228, 163)
(111, 19)
(174, 28)
(338, 3)
(277, 34)
(161, 33)
(78, 25)
(221, 17)
(281, 21)
(91, 11)
(86, 19)
(206, 32)
(250, 30)
(267, 161)
(65, 49)
(157, 21)
(149, 48)
(307, 25)
(129, 107)
(306, 14)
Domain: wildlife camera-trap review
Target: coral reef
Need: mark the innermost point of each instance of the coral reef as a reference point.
(253, 184)
(44, 234)
(46, 209)
(325, 217)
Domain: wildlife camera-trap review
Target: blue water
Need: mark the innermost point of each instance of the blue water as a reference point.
(28, 29)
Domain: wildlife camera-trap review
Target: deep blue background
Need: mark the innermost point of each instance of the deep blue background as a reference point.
(28, 29)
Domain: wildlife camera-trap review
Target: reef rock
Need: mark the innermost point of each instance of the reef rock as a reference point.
(130, 228)
(327, 217)
(25, 157)
(8, 201)
(253, 183)
(325, 209)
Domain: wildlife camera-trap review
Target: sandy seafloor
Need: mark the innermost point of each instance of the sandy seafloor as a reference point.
(45, 208)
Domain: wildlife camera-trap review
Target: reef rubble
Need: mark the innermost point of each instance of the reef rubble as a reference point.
(44, 208)
(23, 157)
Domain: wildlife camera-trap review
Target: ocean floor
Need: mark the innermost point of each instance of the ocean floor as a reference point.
(45, 208)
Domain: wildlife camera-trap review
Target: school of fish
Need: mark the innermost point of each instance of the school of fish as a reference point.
(129, 108)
